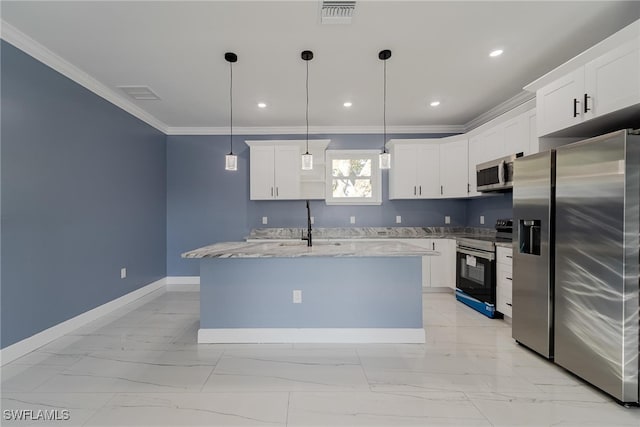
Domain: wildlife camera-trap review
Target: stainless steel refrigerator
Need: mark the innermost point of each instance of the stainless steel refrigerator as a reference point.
(587, 310)
(533, 252)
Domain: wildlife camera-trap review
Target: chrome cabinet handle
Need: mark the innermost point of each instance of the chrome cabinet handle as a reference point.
(277, 192)
(509, 278)
(414, 190)
(508, 256)
(575, 107)
(441, 190)
(509, 304)
(420, 188)
(271, 191)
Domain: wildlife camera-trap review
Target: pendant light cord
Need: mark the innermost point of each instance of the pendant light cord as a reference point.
(231, 107)
(307, 109)
(384, 110)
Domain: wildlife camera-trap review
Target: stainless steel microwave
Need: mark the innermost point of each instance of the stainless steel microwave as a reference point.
(496, 175)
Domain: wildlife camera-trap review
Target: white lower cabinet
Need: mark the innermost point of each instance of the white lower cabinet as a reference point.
(504, 280)
(439, 271)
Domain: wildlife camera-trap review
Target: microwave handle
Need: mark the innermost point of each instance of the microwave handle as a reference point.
(502, 172)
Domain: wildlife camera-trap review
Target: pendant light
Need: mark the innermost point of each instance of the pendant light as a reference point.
(231, 160)
(307, 158)
(385, 158)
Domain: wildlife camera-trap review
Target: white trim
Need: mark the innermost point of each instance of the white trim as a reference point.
(36, 341)
(624, 35)
(28, 45)
(183, 283)
(316, 130)
(312, 335)
(500, 109)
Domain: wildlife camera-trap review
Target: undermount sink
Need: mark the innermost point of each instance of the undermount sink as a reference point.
(303, 243)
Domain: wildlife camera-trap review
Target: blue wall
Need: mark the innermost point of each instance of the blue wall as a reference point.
(83, 194)
(207, 204)
(493, 206)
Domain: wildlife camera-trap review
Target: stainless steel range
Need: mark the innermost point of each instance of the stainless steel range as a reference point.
(476, 268)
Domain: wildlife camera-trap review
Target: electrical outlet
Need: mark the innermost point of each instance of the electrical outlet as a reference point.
(265, 220)
(297, 296)
(352, 220)
(481, 219)
(398, 219)
(447, 219)
(123, 273)
(313, 220)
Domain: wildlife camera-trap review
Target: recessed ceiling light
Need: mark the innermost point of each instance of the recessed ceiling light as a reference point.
(347, 104)
(496, 52)
(435, 103)
(262, 105)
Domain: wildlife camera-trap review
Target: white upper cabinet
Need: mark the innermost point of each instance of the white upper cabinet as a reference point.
(604, 85)
(475, 155)
(275, 170)
(612, 82)
(558, 103)
(415, 169)
(454, 178)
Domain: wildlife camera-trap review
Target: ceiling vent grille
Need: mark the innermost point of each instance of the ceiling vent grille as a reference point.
(140, 93)
(337, 12)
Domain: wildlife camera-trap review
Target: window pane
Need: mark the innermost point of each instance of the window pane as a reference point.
(349, 167)
(349, 188)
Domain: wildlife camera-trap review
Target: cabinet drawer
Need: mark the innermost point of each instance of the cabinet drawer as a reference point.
(504, 275)
(504, 255)
(504, 298)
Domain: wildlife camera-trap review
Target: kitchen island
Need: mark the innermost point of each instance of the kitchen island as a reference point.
(333, 292)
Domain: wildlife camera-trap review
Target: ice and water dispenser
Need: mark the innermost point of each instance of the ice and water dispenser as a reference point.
(529, 235)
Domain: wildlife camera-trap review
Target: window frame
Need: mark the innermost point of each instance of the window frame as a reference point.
(376, 177)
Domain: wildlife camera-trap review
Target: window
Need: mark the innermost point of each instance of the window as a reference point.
(353, 177)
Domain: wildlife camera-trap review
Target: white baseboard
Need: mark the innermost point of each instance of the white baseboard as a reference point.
(36, 341)
(183, 283)
(312, 335)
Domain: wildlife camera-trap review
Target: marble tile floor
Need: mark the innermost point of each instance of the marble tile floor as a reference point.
(141, 366)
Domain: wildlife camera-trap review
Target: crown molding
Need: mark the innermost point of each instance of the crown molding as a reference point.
(316, 130)
(17, 38)
(508, 105)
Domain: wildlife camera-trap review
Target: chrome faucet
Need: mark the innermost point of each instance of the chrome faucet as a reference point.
(308, 238)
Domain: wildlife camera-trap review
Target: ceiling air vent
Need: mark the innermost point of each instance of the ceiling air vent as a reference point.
(141, 93)
(337, 12)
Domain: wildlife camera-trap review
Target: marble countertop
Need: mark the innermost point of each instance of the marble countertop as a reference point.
(291, 249)
(343, 233)
(505, 244)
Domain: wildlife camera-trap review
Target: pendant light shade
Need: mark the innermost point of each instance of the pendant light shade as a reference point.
(231, 160)
(307, 158)
(385, 158)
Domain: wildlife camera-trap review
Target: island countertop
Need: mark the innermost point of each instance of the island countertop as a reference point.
(297, 249)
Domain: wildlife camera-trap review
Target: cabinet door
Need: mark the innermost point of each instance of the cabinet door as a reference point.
(534, 144)
(443, 270)
(261, 173)
(402, 176)
(428, 171)
(492, 143)
(454, 168)
(474, 159)
(612, 82)
(516, 135)
(287, 166)
(555, 103)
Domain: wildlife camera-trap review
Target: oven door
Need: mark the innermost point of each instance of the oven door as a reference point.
(476, 273)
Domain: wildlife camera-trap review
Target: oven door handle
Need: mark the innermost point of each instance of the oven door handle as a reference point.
(468, 251)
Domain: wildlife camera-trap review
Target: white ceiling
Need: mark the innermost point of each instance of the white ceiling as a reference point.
(440, 51)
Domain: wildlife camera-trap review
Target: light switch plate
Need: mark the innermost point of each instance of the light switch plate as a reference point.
(313, 220)
(447, 219)
(297, 296)
(123, 273)
(398, 219)
(481, 219)
(352, 220)
(265, 220)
